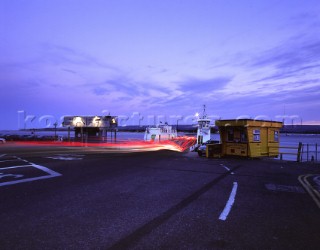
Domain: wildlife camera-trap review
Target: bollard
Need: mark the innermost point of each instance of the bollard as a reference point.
(280, 157)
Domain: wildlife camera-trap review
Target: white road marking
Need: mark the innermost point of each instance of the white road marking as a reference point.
(284, 188)
(228, 169)
(2, 155)
(227, 208)
(12, 175)
(66, 157)
(19, 166)
(75, 155)
(47, 170)
(50, 173)
(9, 160)
(63, 158)
(21, 159)
(313, 192)
(317, 180)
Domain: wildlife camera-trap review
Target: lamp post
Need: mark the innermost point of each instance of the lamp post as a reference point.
(55, 130)
(68, 133)
(179, 117)
(177, 124)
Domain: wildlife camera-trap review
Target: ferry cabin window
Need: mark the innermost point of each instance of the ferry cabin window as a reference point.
(230, 135)
(276, 136)
(256, 135)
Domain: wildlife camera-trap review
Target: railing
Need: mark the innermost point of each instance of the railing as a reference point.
(310, 152)
(301, 153)
(291, 152)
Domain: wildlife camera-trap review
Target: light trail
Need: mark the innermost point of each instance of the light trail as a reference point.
(179, 144)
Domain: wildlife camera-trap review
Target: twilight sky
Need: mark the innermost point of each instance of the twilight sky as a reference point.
(242, 58)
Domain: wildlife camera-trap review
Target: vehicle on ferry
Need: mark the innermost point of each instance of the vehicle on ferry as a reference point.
(203, 148)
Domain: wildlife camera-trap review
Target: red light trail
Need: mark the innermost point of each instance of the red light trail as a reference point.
(179, 144)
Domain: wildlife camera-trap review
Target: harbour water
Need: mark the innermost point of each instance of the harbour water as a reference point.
(310, 150)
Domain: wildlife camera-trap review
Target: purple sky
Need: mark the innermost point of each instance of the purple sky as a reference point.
(257, 59)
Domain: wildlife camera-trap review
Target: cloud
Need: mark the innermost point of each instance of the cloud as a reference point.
(294, 56)
(204, 85)
(281, 72)
(70, 71)
(307, 20)
(118, 84)
(63, 55)
(294, 96)
(99, 90)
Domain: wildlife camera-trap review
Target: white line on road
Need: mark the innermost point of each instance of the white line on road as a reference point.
(9, 160)
(64, 158)
(228, 169)
(2, 155)
(19, 166)
(11, 175)
(315, 195)
(46, 170)
(50, 173)
(227, 208)
(22, 159)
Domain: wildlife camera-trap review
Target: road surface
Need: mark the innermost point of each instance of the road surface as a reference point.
(89, 198)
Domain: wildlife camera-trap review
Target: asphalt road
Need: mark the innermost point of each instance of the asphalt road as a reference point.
(87, 198)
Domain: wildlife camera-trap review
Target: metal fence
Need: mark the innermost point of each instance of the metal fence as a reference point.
(303, 152)
(288, 153)
(310, 152)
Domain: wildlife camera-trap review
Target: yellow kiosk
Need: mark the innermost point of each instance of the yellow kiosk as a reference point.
(249, 138)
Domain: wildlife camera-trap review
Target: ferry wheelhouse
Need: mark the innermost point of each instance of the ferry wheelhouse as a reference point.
(204, 128)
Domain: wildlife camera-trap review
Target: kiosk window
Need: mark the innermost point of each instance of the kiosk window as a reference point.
(230, 135)
(243, 136)
(276, 136)
(256, 135)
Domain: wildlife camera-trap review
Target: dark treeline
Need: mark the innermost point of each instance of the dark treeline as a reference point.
(301, 129)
